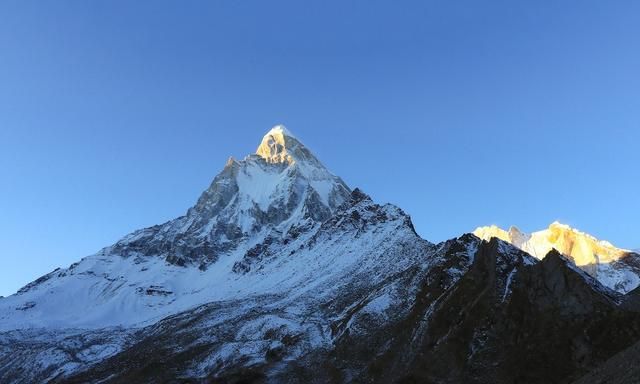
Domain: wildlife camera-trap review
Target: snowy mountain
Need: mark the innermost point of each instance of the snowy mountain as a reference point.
(280, 273)
(616, 268)
(280, 188)
(272, 200)
(276, 234)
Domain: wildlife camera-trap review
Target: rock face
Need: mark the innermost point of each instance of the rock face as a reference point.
(616, 268)
(282, 274)
(623, 368)
(509, 319)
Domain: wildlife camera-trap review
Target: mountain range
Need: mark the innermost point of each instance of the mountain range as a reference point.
(615, 268)
(282, 273)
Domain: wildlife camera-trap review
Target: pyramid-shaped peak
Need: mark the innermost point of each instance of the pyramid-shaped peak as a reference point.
(279, 130)
(277, 145)
(280, 146)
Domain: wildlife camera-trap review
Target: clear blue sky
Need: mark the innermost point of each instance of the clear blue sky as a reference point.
(115, 115)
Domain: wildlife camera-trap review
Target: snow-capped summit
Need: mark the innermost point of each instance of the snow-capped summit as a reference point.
(278, 145)
(616, 268)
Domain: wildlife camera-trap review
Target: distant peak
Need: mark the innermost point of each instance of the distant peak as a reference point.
(584, 250)
(486, 233)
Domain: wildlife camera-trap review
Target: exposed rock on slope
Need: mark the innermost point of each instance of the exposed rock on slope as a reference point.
(623, 368)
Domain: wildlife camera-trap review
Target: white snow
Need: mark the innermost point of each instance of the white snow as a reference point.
(507, 287)
(260, 185)
(379, 304)
(280, 129)
(109, 290)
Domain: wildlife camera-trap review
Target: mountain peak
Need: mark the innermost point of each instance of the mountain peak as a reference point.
(280, 130)
(280, 187)
(559, 225)
(279, 146)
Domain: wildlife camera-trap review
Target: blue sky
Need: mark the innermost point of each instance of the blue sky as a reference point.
(116, 115)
